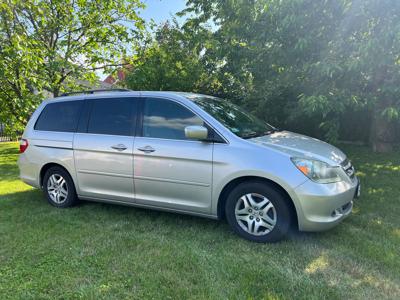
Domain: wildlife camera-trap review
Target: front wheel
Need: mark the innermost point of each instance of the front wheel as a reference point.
(258, 212)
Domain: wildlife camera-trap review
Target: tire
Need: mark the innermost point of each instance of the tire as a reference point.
(260, 206)
(59, 188)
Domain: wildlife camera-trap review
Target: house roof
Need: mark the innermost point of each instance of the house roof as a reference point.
(111, 79)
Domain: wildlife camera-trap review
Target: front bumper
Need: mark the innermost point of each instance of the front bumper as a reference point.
(322, 206)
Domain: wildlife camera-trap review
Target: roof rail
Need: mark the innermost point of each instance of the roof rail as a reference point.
(95, 91)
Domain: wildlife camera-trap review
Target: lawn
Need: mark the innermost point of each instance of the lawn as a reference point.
(104, 251)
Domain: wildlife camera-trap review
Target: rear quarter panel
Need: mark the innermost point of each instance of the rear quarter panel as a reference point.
(44, 148)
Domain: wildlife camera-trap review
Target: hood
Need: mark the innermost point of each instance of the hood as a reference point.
(298, 145)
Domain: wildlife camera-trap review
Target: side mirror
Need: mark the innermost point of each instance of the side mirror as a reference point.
(196, 132)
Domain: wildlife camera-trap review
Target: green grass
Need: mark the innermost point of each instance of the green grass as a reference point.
(105, 251)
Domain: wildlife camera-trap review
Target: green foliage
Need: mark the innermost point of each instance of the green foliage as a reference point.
(52, 46)
(301, 65)
(298, 64)
(331, 55)
(360, 68)
(165, 63)
(172, 58)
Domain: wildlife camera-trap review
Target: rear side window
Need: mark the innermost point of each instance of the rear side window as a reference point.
(112, 116)
(166, 119)
(60, 116)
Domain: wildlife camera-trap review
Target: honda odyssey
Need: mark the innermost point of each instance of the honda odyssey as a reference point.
(186, 153)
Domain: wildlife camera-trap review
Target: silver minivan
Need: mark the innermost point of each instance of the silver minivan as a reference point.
(186, 153)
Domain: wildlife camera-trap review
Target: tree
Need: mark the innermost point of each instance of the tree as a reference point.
(317, 58)
(52, 45)
(266, 47)
(362, 69)
(172, 58)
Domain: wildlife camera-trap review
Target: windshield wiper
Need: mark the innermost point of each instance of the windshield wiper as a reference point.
(258, 134)
(251, 135)
(271, 131)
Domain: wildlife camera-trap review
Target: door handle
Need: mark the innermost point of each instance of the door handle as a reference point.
(146, 149)
(119, 147)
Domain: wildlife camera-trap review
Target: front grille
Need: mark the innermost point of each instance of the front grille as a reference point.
(348, 168)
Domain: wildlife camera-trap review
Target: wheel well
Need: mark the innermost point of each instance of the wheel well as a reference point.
(46, 167)
(225, 192)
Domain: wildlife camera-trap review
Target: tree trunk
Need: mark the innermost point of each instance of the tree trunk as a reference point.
(56, 92)
(382, 133)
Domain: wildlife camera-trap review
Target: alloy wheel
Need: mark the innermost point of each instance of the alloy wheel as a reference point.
(255, 214)
(57, 188)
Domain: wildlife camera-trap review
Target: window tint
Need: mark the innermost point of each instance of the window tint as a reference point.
(111, 116)
(60, 116)
(167, 119)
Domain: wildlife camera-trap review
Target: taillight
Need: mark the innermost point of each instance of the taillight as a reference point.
(23, 145)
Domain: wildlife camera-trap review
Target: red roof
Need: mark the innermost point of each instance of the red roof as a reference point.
(111, 79)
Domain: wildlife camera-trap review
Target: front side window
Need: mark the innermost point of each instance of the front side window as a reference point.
(233, 117)
(167, 119)
(113, 116)
(60, 116)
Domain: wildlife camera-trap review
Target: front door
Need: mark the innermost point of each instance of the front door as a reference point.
(171, 171)
(103, 152)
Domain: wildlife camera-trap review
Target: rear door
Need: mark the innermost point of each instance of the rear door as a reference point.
(103, 149)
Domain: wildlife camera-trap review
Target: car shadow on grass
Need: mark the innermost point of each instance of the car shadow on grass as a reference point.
(33, 202)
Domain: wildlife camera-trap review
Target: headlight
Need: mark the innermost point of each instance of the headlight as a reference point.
(317, 171)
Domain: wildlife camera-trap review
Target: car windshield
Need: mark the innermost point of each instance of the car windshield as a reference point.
(233, 117)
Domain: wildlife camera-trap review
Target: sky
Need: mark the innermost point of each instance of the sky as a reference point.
(161, 10)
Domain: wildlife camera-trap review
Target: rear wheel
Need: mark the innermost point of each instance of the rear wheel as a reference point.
(258, 212)
(59, 188)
